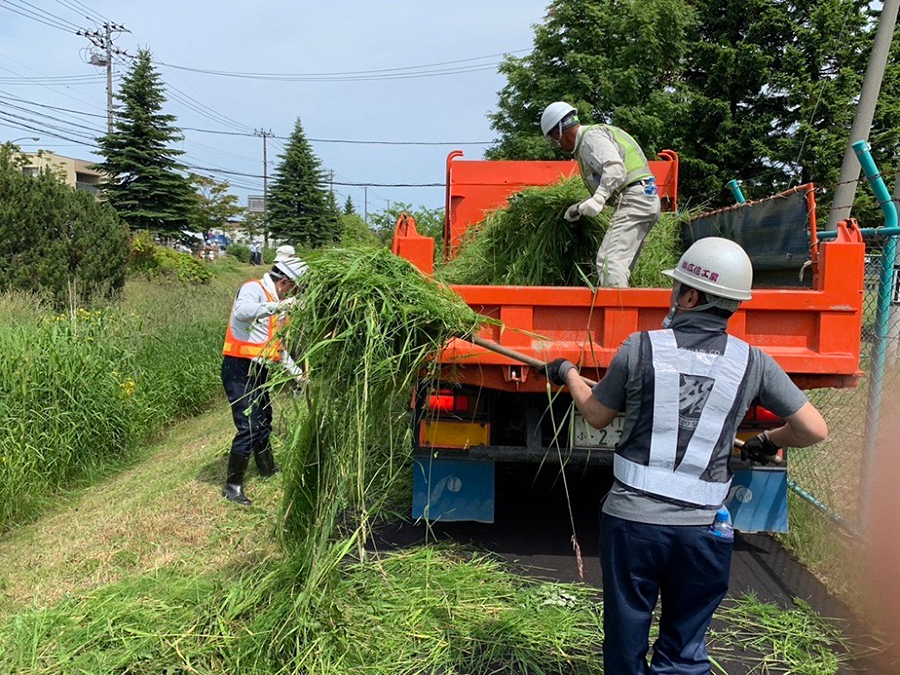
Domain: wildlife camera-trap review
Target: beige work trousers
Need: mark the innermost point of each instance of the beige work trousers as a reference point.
(635, 214)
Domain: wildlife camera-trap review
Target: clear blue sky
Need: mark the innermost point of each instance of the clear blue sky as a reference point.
(282, 37)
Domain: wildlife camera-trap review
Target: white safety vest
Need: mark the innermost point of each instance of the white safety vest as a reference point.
(661, 476)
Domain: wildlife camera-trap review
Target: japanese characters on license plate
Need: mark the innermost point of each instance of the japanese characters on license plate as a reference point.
(585, 436)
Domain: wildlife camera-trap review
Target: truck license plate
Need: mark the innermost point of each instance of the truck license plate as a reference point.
(586, 436)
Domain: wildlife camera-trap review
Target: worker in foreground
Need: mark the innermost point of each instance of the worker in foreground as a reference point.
(612, 164)
(684, 390)
(250, 349)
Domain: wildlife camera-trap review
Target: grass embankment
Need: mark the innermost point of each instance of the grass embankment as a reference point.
(82, 390)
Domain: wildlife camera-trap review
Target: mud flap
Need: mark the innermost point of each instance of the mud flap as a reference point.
(758, 500)
(451, 490)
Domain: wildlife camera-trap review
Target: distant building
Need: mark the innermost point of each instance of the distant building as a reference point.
(256, 204)
(74, 172)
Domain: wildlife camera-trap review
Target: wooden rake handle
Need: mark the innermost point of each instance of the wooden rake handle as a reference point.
(516, 356)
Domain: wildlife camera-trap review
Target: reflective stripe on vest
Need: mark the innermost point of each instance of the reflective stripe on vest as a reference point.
(269, 350)
(636, 166)
(661, 477)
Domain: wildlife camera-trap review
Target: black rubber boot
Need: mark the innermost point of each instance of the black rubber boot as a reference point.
(234, 482)
(265, 462)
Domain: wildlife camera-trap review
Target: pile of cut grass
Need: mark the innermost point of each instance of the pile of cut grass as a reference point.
(530, 243)
(769, 639)
(368, 324)
(421, 610)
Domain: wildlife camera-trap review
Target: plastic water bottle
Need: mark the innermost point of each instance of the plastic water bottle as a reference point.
(650, 188)
(722, 526)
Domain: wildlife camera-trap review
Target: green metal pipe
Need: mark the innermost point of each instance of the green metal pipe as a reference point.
(736, 191)
(882, 325)
(865, 231)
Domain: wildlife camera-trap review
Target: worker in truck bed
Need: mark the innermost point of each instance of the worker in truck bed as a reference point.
(612, 164)
(250, 349)
(684, 390)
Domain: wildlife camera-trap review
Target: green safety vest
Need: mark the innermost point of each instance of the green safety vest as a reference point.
(636, 166)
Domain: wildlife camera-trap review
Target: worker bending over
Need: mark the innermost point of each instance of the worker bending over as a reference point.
(684, 390)
(611, 163)
(250, 349)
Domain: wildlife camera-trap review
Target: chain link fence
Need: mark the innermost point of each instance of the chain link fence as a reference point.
(835, 475)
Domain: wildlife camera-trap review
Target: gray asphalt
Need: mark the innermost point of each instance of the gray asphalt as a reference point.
(532, 531)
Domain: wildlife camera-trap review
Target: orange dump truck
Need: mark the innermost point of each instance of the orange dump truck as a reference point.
(490, 408)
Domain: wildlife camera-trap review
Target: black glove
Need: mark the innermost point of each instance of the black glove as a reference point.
(556, 371)
(759, 449)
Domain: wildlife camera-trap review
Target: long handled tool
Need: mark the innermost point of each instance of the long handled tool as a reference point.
(518, 356)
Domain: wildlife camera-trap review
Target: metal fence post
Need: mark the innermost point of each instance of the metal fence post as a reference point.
(882, 319)
(736, 191)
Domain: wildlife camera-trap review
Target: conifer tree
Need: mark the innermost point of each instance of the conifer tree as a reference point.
(301, 211)
(145, 183)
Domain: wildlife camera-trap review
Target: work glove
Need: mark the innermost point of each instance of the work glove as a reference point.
(572, 213)
(286, 304)
(556, 371)
(591, 208)
(760, 449)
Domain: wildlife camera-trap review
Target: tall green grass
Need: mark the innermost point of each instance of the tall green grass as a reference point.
(529, 242)
(367, 324)
(80, 391)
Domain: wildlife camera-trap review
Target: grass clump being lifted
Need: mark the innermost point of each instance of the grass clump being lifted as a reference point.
(368, 323)
(530, 243)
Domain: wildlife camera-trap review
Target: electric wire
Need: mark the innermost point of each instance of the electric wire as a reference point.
(377, 73)
(21, 12)
(49, 15)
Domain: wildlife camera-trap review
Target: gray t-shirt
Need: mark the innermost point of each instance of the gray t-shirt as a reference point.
(765, 383)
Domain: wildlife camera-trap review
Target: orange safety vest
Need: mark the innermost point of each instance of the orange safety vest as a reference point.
(269, 350)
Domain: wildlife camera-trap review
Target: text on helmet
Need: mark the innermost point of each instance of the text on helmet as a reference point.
(700, 271)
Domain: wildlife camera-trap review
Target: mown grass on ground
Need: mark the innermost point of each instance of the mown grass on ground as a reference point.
(151, 572)
(82, 390)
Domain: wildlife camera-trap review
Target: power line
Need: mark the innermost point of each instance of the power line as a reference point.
(344, 140)
(92, 15)
(21, 11)
(50, 16)
(348, 74)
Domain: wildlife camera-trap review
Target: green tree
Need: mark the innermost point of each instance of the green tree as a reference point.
(144, 182)
(429, 222)
(300, 210)
(348, 206)
(759, 90)
(214, 206)
(54, 239)
(355, 232)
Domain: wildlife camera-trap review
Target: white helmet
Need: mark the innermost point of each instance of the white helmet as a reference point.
(291, 268)
(553, 115)
(284, 252)
(718, 267)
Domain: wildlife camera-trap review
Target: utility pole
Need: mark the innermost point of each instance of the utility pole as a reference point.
(103, 40)
(366, 204)
(845, 191)
(265, 135)
(331, 183)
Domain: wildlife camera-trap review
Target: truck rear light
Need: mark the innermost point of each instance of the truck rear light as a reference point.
(447, 401)
(759, 414)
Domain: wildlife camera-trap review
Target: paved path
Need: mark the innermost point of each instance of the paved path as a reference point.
(532, 531)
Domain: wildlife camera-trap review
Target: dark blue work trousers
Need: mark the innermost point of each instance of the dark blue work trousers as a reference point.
(686, 568)
(244, 383)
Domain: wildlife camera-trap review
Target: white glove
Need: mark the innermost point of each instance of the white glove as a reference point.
(591, 208)
(286, 304)
(572, 213)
